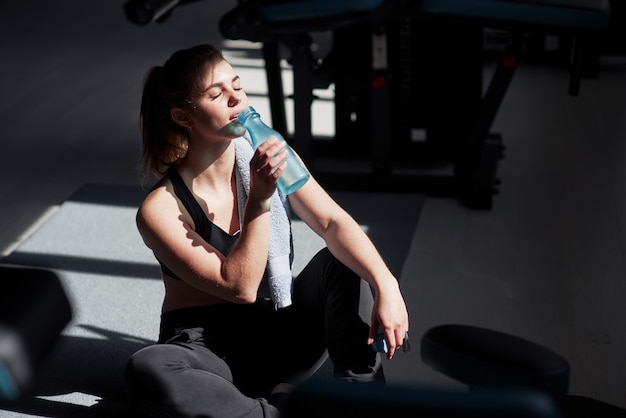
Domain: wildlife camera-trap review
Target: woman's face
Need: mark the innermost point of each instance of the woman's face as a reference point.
(215, 109)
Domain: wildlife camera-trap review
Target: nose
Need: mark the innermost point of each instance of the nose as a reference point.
(235, 97)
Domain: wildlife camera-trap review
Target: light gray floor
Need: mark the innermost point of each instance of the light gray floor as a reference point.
(546, 263)
(113, 283)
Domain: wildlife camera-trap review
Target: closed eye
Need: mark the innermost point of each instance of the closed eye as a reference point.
(236, 86)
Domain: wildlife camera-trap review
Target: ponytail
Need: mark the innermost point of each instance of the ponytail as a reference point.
(164, 142)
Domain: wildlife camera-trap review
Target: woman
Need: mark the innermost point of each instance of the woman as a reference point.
(224, 347)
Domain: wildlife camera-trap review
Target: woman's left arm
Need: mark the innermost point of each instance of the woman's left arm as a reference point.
(351, 245)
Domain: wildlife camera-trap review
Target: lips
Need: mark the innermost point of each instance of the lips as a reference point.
(234, 115)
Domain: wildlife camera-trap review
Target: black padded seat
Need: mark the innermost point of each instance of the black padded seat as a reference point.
(480, 357)
(34, 310)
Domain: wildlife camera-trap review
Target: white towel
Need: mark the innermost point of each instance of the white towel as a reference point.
(280, 257)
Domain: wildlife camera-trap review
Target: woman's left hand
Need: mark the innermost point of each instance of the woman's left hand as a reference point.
(390, 315)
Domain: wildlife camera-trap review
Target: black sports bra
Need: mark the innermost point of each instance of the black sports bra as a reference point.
(213, 234)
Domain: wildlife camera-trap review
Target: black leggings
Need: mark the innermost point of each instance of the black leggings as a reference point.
(223, 360)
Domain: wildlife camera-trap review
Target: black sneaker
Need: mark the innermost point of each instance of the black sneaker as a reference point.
(372, 374)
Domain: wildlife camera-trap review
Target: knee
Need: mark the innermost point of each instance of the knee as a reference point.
(141, 370)
(154, 371)
(149, 370)
(145, 381)
(333, 268)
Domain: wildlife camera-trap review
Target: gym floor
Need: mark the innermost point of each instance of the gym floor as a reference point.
(546, 263)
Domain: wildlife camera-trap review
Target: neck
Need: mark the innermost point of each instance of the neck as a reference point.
(210, 166)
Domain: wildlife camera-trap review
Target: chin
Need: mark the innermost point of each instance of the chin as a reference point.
(234, 129)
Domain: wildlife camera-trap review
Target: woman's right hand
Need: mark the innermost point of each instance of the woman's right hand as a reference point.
(266, 166)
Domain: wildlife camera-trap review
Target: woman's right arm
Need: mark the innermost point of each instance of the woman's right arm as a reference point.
(167, 229)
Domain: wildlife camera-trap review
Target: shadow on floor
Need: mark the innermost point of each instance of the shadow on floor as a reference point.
(89, 366)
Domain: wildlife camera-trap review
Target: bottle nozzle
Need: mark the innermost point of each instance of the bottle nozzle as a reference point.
(241, 116)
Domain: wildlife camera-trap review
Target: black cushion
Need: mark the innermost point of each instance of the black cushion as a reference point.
(481, 357)
(34, 309)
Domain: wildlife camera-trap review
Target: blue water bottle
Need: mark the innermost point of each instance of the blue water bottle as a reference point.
(295, 175)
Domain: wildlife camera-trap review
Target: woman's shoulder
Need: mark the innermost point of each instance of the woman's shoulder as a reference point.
(160, 198)
(161, 190)
(161, 213)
